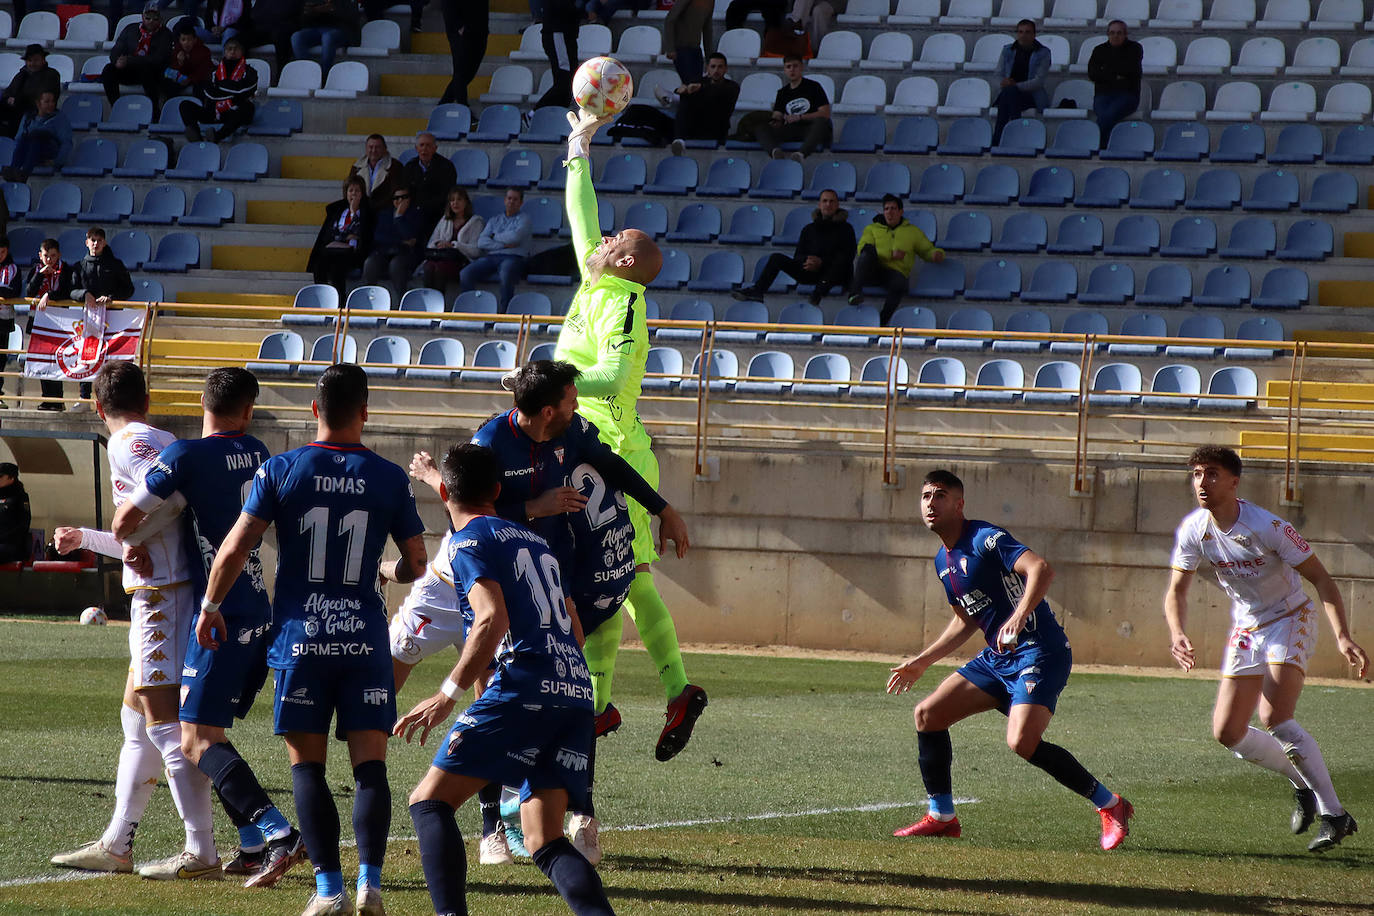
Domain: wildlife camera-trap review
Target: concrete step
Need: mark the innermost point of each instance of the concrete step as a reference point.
(259, 258)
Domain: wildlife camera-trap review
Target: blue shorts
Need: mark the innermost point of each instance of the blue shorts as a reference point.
(220, 685)
(508, 742)
(1031, 674)
(594, 610)
(362, 693)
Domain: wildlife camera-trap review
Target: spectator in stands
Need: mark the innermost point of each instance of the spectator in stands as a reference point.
(704, 105)
(453, 243)
(603, 10)
(816, 17)
(686, 30)
(824, 255)
(332, 24)
(376, 9)
(429, 177)
(274, 22)
(562, 20)
(1115, 68)
(801, 111)
(45, 135)
(227, 99)
(228, 18)
(1021, 72)
(888, 250)
(101, 278)
(139, 55)
(11, 287)
(345, 238)
(190, 65)
(15, 516)
(771, 10)
(21, 96)
(50, 279)
(466, 25)
(380, 173)
(505, 244)
(395, 241)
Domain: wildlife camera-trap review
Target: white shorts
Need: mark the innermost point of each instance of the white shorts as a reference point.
(417, 633)
(1287, 641)
(160, 622)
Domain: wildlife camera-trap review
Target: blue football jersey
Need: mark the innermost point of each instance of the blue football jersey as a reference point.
(539, 660)
(603, 564)
(980, 580)
(214, 474)
(334, 507)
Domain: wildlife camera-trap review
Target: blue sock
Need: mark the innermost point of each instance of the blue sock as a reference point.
(319, 819)
(371, 816)
(251, 838)
(273, 824)
(942, 804)
(369, 876)
(329, 883)
(489, 801)
(577, 882)
(442, 856)
(1102, 796)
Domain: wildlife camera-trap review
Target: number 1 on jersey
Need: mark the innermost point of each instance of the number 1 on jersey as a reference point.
(353, 526)
(546, 590)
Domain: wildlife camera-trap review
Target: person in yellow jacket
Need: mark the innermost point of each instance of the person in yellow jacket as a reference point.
(605, 336)
(888, 249)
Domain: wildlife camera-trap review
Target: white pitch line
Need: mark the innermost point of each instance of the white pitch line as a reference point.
(626, 828)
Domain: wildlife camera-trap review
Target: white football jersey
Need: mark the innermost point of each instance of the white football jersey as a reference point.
(1253, 562)
(132, 452)
(434, 593)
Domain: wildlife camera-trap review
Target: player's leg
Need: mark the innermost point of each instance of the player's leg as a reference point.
(601, 649)
(572, 875)
(1237, 699)
(442, 856)
(371, 814)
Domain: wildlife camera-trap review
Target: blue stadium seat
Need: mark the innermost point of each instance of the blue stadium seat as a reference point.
(913, 318)
(1240, 143)
(83, 111)
(520, 168)
(1050, 186)
(1021, 232)
(1283, 288)
(476, 302)
(1252, 237)
(677, 266)
(941, 183)
(17, 197)
(449, 121)
(1191, 237)
(386, 356)
(1003, 374)
(1187, 141)
(881, 375)
(1168, 285)
(939, 379)
(556, 179)
(284, 347)
(1056, 384)
(1130, 140)
(1082, 323)
(1308, 240)
(497, 124)
(728, 177)
(995, 185)
(1022, 137)
(545, 213)
(244, 162)
(161, 205)
(861, 134)
(1074, 140)
(1106, 186)
(548, 124)
(1109, 284)
(1116, 385)
(746, 313)
(967, 137)
(625, 173)
(144, 160)
(534, 304)
(1031, 321)
(134, 247)
(1160, 189)
(59, 202)
(1354, 145)
(751, 225)
(969, 230)
(836, 175)
(605, 218)
(825, 375)
(798, 313)
(967, 319)
(648, 217)
(1053, 281)
(770, 372)
(1197, 327)
(720, 369)
(1230, 388)
(1078, 233)
(885, 177)
(1140, 324)
(1225, 287)
(177, 252)
(147, 290)
(111, 203)
(491, 360)
(196, 161)
(1173, 388)
(662, 361)
(923, 220)
(696, 223)
(93, 156)
(1258, 328)
(1298, 144)
(73, 239)
(719, 271)
(313, 296)
(277, 118)
(421, 299)
(211, 207)
(1215, 189)
(944, 280)
(853, 316)
(439, 360)
(675, 175)
(129, 114)
(1136, 235)
(781, 179)
(916, 135)
(1332, 192)
(995, 281)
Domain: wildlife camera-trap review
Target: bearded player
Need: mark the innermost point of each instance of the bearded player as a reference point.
(604, 335)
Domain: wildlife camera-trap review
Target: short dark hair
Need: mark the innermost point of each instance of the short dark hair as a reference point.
(1029, 22)
(235, 40)
(716, 55)
(352, 180)
(121, 389)
(541, 384)
(341, 394)
(470, 473)
(376, 137)
(942, 478)
(893, 198)
(788, 58)
(50, 245)
(520, 191)
(229, 389)
(1219, 455)
(95, 232)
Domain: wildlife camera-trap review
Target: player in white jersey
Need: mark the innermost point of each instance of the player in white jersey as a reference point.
(157, 579)
(428, 619)
(1256, 558)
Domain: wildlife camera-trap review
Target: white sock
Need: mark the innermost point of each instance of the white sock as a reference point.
(135, 780)
(1306, 757)
(1263, 749)
(190, 790)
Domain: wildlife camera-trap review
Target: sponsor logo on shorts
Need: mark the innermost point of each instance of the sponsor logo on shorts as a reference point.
(466, 720)
(529, 756)
(156, 617)
(560, 688)
(158, 656)
(571, 760)
(1030, 686)
(375, 696)
(1296, 538)
(158, 636)
(188, 671)
(407, 648)
(299, 697)
(454, 740)
(245, 636)
(157, 677)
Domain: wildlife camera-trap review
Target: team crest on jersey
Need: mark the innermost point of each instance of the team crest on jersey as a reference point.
(339, 459)
(144, 449)
(312, 628)
(558, 453)
(1030, 686)
(963, 564)
(1242, 539)
(1295, 538)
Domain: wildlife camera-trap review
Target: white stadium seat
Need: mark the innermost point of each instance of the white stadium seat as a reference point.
(914, 95)
(1237, 101)
(941, 51)
(1263, 56)
(889, 51)
(1291, 102)
(1346, 102)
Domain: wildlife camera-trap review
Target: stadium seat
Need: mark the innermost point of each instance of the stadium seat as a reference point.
(471, 165)
(534, 304)
(59, 202)
(798, 313)
(1180, 101)
(1273, 191)
(1022, 137)
(967, 137)
(780, 179)
(1291, 102)
(1024, 322)
(1055, 385)
(144, 160)
(744, 313)
(1258, 328)
(17, 198)
(967, 319)
(668, 80)
(886, 177)
(421, 299)
(639, 44)
(380, 38)
(968, 96)
(1261, 56)
(825, 375)
(742, 45)
(278, 118)
(111, 203)
(1206, 56)
(511, 84)
(299, 79)
(769, 372)
(877, 380)
(39, 27)
(1283, 288)
(648, 217)
(940, 379)
(757, 91)
(1174, 387)
(1109, 284)
(195, 162)
(1050, 186)
(889, 50)
(519, 168)
(386, 356)
(1359, 59)
(1354, 145)
(941, 183)
(546, 215)
(1135, 236)
(473, 302)
(995, 185)
(1072, 100)
(751, 225)
(244, 162)
(662, 361)
(1215, 189)
(1115, 385)
(129, 114)
(1231, 387)
(1337, 16)
(593, 40)
(491, 360)
(161, 206)
(862, 133)
(313, 296)
(1001, 380)
(1071, 14)
(345, 80)
(1225, 287)
(1197, 327)
(674, 175)
(93, 157)
(177, 252)
(1052, 281)
(719, 271)
(861, 95)
(1130, 140)
(914, 95)
(837, 175)
(449, 121)
(1140, 324)
(624, 173)
(1085, 52)
(134, 247)
(85, 32)
(323, 353)
(1332, 192)
(727, 177)
(967, 13)
(1240, 143)
(1345, 102)
(910, 318)
(147, 290)
(1077, 234)
(720, 369)
(82, 112)
(73, 239)
(548, 124)
(697, 310)
(942, 51)
(944, 280)
(998, 280)
(1074, 140)
(1319, 56)
(1024, 233)
(284, 348)
(1160, 189)
(1160, 55)
(1082, 323)
(1169, 285)
(914, 12)
(1253, 237)
(914, 135)
(677, 266)
(1308, 240)
(696, 223)
(1191, 237)
(1236, 101)
(1285, 15)
(498, 124)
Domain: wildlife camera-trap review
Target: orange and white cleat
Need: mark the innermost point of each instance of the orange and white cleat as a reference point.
(682, 716)
(930, 825)
(1114, 822)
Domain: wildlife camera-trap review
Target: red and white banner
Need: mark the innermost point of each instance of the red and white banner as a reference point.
(73, 343)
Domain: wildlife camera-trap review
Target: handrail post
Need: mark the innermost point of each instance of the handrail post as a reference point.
(890, 410)
(1080, 451)
(708, 340)
(340, 333)
(1293, 440)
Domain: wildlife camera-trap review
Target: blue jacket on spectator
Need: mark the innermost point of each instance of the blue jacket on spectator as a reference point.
(1039, 69)
(501, 230)
(55, 124)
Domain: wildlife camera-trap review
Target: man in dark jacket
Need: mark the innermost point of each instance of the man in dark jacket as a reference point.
(189, 66)
(227, 100)
(15, 516)
(1115, 68)
(139, 56)
(32, 80)
(332, 24)
(430, 177)
(824, 256)
(50, 280)
(705, 105)
(101, 278)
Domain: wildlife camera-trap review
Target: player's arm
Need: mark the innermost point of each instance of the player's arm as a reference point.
(1313, 571)
(1038, 574)
(619, 474)
(958, 631)
(489, 625)
(615, 350)
(577, 630)
(1176, 615)
(229, 563)
(579, 196)
(410, 565)
(65, 539)
(144, 514)
(423, 469)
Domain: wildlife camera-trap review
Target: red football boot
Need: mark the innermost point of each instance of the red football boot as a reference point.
(1114, 823)
(930, 825)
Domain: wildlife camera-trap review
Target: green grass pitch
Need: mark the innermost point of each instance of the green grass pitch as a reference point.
(784, 802)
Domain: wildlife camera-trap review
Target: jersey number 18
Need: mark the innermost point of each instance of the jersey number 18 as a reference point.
(546, 587)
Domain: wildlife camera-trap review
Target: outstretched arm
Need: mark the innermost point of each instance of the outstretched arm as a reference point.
(579, 196)
(906, 674)
(1176, 614)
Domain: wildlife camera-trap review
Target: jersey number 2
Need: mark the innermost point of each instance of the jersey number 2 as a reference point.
(352, 526)
(546, 589)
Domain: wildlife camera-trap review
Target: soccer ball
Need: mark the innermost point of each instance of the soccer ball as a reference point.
(602, 86)
(94, 616)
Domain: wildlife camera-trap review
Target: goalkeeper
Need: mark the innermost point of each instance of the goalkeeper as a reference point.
(605, 336)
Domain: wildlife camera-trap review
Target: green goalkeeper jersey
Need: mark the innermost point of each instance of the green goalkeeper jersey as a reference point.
(604, 333)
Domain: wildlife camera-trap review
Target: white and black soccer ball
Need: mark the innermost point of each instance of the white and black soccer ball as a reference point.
(602, 86)
(94, 617)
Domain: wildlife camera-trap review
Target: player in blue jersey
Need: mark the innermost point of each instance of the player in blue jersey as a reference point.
(998, 586)
(213, 474)
(533, 723)
(334, 503)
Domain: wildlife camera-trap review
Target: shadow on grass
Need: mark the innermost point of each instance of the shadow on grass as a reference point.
(695, 897)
